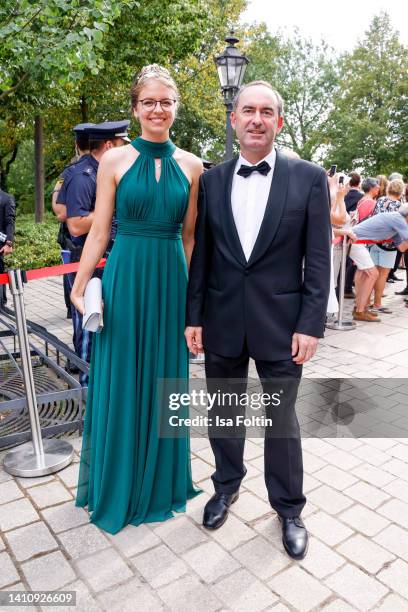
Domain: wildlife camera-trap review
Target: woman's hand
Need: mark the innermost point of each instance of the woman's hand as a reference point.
(333, 188)
(78, 302)
(342, 191)
(337, 190)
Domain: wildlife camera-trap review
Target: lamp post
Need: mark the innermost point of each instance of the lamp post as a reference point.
(231, 66)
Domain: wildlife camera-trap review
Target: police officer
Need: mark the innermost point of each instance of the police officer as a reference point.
(7, 221)
(80, 195)
(59, 202)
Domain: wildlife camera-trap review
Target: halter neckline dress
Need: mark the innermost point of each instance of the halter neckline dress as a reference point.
(128, 473)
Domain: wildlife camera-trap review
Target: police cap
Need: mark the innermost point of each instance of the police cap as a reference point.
(109, 130)
(81, 127)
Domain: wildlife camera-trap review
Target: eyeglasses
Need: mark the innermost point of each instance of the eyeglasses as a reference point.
(150, 105)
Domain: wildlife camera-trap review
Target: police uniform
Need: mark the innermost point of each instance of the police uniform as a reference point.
(79, 195)
(79, 130)
(7, 222)
(63, 234)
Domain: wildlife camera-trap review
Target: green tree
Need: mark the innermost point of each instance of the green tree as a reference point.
(304, 73)
(200, 126)
(154, 32)
(45, 44)
(369, 122)
(73, 61)
(45, 47)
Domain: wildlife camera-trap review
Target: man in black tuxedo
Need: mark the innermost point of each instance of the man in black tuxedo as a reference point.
(259, 218)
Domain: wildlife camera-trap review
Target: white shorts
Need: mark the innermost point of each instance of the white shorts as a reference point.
(361, 256)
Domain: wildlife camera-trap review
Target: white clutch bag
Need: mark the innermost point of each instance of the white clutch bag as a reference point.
(92, 320)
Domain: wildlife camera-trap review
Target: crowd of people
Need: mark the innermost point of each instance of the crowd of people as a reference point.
(372, 214)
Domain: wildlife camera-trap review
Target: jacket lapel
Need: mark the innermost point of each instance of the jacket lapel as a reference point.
(274, 208)
(228, 223)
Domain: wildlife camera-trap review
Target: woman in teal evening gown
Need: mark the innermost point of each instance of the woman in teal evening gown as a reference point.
(128, 473)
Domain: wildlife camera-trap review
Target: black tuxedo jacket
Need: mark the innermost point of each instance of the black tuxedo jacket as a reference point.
(268, 298)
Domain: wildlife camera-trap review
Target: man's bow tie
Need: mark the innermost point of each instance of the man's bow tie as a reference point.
(245, 171)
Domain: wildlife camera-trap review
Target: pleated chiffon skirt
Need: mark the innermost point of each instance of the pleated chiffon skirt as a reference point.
(128, 473)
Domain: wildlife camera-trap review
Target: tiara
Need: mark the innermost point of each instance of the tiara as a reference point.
(153, 70)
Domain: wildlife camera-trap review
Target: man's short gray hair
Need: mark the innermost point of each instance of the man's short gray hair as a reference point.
(403, 210)
(278, 97)
(395, 176)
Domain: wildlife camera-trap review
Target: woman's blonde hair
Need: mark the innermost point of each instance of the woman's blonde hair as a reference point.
(395, 188)
(383, 182)
(153, 71)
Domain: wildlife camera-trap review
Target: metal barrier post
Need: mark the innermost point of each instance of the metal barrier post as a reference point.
(339, 323)
(38, 457)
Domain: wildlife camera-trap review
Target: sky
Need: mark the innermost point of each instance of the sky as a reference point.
(341, 24)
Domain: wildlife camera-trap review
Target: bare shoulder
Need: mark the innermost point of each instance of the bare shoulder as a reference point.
(189, 162)
(117, 161)
(118, 155)
(187, 157)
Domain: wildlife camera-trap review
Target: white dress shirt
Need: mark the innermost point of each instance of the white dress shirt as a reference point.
(249, 197)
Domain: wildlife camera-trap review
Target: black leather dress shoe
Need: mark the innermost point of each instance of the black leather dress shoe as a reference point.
(216, 510)
(294, 537)
(403, 292)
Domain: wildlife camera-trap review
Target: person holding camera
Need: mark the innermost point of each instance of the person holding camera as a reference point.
(7, 222)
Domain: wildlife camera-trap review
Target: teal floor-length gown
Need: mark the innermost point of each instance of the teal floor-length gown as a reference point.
(128, 473)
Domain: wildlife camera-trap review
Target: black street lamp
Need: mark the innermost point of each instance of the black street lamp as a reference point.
(231, 66)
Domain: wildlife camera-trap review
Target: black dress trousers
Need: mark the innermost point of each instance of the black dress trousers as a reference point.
(282, 448)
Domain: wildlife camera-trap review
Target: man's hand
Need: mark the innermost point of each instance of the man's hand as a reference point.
(6, 249)
(194, 339)
(351, 235)
(303, 348)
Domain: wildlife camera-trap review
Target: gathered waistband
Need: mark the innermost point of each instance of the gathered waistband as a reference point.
(152, 228)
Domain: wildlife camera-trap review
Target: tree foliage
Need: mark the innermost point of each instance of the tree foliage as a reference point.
(46, 47)
(369, 122)
(304, 73)
(49, 43)
(200, 127)
(74, 60)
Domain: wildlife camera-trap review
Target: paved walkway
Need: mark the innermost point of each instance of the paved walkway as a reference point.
(356, 514)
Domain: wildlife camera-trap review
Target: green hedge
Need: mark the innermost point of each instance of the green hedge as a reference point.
(35, 244)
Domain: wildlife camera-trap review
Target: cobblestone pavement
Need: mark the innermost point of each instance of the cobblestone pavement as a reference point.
(356, 514)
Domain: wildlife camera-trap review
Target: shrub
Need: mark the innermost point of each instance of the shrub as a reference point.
(35, 244)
